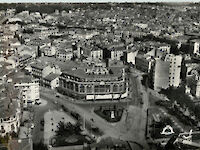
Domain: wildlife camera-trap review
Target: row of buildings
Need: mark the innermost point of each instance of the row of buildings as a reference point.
(163, 67)
(168, 69)
(17, 92)
(87, 79)
(11, 111)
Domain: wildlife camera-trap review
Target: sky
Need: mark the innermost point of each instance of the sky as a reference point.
(85, 1)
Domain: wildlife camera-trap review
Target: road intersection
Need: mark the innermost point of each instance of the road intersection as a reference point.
(133, 122)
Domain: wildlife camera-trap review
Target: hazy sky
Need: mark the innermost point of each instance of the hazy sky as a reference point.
(75, 1)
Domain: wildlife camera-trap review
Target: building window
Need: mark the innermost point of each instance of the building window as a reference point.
(82, 88)
(70, 85)
(121, 87)
(102, 88)
(76, 87)
(115, 88)
(124, 89)
(89, 89)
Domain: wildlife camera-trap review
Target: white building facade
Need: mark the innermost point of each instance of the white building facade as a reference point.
(195, 46)
(97, 54)
(29, 92)
(10, 118)
(174, 69)
(167, 72)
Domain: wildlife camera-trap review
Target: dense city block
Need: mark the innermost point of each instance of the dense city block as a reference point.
(120, 76)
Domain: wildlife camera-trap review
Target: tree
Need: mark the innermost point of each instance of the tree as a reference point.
(4, 139)
(67, 129)
(110, 71)
(170, 144)
(178, 94)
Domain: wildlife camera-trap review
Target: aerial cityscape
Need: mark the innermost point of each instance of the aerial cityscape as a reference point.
(106, 76)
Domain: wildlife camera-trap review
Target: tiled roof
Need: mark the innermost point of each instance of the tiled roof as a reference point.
(51, 76)
(39, 65)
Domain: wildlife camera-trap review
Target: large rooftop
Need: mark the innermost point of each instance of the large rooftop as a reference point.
(51, 76)
(81, 73)
(79, 68)
(39, 64)
(20, 77)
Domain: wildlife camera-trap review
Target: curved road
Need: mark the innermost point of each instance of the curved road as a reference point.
(132, 125)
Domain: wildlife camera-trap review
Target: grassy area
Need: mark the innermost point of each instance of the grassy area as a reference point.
(4, 142)
(179, 108)
(89, 127)
(175, 111)
(157, 127)
(68, 135)
(106, 113)
(178, 95)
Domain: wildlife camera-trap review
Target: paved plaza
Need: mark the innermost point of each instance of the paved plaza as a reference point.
(51, 120)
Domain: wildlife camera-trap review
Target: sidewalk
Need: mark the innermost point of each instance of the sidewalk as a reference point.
(99, 122)
(157, 95)
(51, 120)
(135, 121)
(72, 100)
(136, 118)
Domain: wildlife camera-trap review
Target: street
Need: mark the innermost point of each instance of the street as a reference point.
(39, 112)
(131, 127)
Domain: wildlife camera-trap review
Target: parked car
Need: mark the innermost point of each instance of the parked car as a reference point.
(32, 126)
(38, 102)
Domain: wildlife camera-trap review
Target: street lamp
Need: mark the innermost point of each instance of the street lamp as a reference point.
(126, 115)
(83, 121)
(90, 107)
(127, 104)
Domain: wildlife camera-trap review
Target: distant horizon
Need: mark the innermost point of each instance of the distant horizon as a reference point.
(99, 1)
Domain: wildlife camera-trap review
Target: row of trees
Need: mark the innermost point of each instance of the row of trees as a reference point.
(68, 129)
(178, 94)
(50, 7)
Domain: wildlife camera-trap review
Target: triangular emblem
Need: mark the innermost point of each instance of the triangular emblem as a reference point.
(168, 130)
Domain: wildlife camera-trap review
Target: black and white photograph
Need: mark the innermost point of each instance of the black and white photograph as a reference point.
(99, 75)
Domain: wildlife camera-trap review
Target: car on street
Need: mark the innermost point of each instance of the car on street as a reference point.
(58, 95)
(32, 126)
(38, 102)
